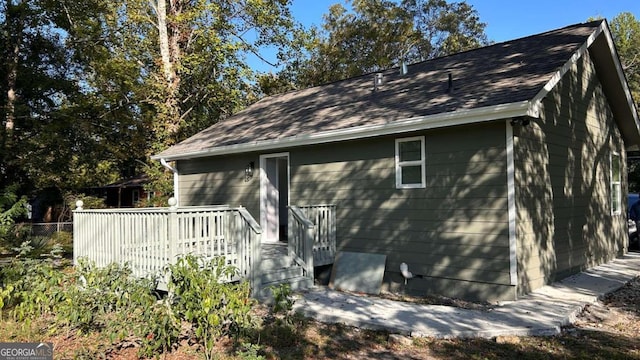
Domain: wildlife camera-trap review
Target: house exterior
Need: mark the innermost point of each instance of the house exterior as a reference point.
(490, 172)
(123, 193)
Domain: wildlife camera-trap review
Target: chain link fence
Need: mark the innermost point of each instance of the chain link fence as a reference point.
(48, 229)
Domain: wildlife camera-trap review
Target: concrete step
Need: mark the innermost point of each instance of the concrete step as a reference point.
(274, 263)
(282, 274)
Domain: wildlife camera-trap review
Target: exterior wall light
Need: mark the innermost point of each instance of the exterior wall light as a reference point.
(521, 121)
(248, 171)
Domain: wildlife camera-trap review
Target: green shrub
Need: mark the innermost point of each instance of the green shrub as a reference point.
(110, 301)
(200, 296)
(32, 287)
(11, 208)
(104, 298)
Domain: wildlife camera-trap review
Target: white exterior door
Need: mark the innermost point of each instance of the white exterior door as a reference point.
(274, 196)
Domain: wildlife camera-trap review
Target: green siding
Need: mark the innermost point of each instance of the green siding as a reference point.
(455, 229)
(454, 232)
(220, 180)
(562, 182)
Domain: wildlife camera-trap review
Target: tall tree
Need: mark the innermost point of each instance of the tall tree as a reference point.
(198, 73)
(35, 86)
(380, 34)
(625, 30)
(90, 89)
(443, 28)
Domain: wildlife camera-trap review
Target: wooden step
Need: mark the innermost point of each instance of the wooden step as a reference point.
(298, 283)
(270, 264)
(282, 274)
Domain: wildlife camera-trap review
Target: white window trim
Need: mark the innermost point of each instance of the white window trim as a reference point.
(614, 183)
(400, 164)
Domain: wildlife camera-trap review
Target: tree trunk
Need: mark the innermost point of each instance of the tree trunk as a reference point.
(163, 40)
(15, 25)
(168, 40)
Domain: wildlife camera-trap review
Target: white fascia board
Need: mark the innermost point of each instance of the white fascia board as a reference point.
(453, 118)
(603, 29)
(620, 72)
(555, 79)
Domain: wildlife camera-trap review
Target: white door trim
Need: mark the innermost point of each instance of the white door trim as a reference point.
(264, 182)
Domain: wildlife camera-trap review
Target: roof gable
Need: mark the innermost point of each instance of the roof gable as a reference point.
(488, 83)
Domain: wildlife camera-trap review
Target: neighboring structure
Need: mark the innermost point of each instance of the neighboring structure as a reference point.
(489, 172)
(124, 193)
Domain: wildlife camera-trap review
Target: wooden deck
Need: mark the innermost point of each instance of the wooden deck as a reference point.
(149, 239)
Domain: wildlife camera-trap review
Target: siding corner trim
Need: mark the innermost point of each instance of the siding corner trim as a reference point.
(511, 203)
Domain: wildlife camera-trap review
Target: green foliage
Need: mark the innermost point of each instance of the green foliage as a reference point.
(88, 202)
(108, 300)
(281, 326)
(102, 291)
(214, 308)
(443, 28)
(625, 30)
(161, 330)
(249, 352)
(64, 239)
(11, 208)
(380, 34)
(32, 287)
(282, 299)
(94, 98)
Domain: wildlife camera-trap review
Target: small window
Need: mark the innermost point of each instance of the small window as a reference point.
(616, 188)
(410, 163)
(135, 196)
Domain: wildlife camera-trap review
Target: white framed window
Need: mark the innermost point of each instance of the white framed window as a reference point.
(616, 181)
(410, 163)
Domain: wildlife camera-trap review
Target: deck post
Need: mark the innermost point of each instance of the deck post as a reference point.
(256, 280)
(308, 249)
(172, 233)
(78, 251)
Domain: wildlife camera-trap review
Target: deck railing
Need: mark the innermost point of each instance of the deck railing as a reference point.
(148, 239)
(324, 244)
(300, 241)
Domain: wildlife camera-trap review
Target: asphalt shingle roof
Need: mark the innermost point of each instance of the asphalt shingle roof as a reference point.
(507, 72)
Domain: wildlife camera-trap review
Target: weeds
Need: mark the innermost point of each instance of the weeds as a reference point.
(200, 296)
(110, 302)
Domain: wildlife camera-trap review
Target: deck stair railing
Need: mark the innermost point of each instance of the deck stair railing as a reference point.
(150, 238)
(324, 243)
(300, 241)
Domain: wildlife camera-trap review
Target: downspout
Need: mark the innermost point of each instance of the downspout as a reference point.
(175, 179)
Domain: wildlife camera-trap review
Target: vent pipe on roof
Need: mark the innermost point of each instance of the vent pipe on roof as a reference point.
(378, 80)
(403, 68)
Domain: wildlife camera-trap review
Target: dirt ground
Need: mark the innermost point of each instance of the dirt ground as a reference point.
(608, 329)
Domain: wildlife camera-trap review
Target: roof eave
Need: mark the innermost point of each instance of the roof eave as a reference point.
(628, 123)
(460, 117)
